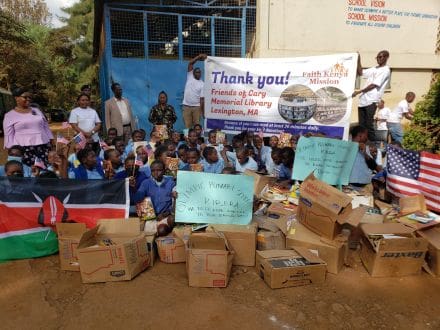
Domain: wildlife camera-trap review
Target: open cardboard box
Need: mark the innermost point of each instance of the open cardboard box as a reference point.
(208, 260)
(331, 251)
(272, 231)
(392, 249)
(241, 239)
(324, 209)
(432, 235)
(69, 235)
(415, 205)
(172, 248)
(260, 181)
(115, 250)
(286, 268)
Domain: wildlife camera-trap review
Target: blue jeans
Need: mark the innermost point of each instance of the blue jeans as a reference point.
(396, 131)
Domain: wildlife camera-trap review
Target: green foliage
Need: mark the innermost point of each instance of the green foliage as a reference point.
(27, 11)
(424, 131)
(55, 63)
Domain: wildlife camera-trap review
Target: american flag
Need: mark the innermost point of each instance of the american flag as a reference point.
(103, 145)
(412, 173)
(138, 161)
(39, 163)
(80, 139)
(62, 139)
(65, 125)
(149, 150)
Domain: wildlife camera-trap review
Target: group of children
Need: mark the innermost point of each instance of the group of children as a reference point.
(151, 165)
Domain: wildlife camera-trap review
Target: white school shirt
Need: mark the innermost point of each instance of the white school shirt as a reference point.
(251, 164)
(193, 90)
(383, 114)
(396, 114)
(86, 119)
(378, 76)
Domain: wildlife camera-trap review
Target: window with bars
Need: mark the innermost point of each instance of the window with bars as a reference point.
(148, 34)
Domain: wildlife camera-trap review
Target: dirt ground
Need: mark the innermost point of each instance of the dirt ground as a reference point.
(36, 294)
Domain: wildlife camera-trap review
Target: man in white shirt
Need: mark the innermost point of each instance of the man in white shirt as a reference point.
(118, 113)
(403, 109)
(381, 117)
(376, 80)
(193, 99)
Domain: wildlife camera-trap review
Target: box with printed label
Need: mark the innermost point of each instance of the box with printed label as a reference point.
(115, 250)
(392, 249)
(69, 235)
(171, 248)
(324, 209)
(286, 268)
(208, 261)
(331, 251)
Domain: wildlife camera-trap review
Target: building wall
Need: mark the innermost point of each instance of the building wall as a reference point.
(407, 29)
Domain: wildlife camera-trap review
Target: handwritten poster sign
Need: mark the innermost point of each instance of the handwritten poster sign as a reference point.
(331, 160)
(214, 198)
(275, 95)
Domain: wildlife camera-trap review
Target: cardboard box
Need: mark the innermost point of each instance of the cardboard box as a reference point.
(412, 204)
(324, 209)
(432, 235)
(69, 235)
(372, 215)
(286, 268)
(332, 252)
(415, 206)
(268, 240)
(208, 261)
(172, 248)
(282, 209)
(391, 249)
(121, 259)
(272, 224)
(241, 239)
(260, 181)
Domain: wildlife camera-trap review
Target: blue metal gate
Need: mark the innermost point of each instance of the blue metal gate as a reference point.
(147, 51)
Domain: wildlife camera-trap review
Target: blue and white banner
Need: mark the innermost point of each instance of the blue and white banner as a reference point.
(292, 95)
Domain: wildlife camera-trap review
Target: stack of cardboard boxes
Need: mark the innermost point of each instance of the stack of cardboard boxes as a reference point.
(288, 245)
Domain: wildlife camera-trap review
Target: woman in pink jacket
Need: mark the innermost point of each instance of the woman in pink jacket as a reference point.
(27, 127)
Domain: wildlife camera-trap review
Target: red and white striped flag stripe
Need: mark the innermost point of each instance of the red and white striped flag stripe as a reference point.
(427, 184)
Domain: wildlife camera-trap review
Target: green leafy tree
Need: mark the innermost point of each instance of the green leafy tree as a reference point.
(79, 28)
(27, 11)
(424, 131)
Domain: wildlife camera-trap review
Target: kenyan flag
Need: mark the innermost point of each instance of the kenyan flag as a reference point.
(30, 208)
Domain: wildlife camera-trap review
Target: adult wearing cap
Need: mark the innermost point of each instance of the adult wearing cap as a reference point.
(193, 99)
(27, 127)
(118, 113)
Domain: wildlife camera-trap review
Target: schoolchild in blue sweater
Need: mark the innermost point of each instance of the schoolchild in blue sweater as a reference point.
(159, 188)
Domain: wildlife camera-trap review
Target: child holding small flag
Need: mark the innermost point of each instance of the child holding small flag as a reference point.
(136, 177)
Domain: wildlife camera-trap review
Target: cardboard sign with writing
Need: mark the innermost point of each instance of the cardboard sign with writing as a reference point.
(331, 160)
(214, 198)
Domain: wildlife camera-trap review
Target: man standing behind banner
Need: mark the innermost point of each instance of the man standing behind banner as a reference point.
(193, 99)
(118, 113)
(377, 79)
